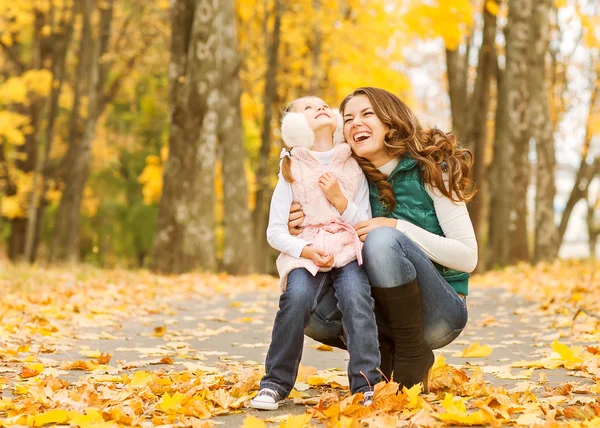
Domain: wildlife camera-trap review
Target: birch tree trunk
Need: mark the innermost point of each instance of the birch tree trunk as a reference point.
(237, 254)
(546, 233)
(517, 43)
(185, 225)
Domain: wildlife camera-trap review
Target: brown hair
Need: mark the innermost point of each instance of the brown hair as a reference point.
(286, 162)
(434, 150)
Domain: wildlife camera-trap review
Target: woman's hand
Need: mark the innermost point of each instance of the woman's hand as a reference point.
(364, 227)
(296, 218)
(321, 258)
(330, 186)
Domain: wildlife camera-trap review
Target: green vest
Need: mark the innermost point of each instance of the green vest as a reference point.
(414, 204)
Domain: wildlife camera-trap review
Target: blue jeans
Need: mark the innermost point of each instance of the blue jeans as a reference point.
(392, 259)
(351, 289)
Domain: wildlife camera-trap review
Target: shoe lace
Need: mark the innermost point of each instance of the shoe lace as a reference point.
(270, 393)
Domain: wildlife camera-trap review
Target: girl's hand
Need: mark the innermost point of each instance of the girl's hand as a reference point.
(321, 258)
(330, 186)
(296, 218)
(364, 227)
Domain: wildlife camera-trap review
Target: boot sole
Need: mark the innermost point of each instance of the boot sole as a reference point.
(260, 405)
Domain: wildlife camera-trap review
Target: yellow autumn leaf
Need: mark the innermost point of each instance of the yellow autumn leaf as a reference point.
(322, 347)
(140, 379)
(92, 417)
(492, 7)
(316, 380)
(38, 367)
(475, 350)
(253, 422)
(456, 412)
(89, 353)
(413, 395)
(567, 354)
(298, 421)
(56, 416)
(168, 403)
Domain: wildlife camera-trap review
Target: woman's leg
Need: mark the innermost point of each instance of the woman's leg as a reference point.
(353, 292)
(444, 311)
(409, 290)
(295, 306)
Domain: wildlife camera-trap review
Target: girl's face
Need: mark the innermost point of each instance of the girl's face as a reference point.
(317, 113)
(364, 131)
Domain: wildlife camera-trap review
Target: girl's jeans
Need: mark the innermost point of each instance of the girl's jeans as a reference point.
(350, 288)
(392, 259)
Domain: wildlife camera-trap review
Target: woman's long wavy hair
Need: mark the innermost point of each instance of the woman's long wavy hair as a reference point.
(434, 150)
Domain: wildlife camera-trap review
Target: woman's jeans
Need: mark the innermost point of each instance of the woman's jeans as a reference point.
(350, 289)
(391, 259)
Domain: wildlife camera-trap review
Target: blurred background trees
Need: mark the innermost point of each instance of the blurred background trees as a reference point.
(145, 133)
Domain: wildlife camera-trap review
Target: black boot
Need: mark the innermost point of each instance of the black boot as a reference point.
(400, 308)
(386, 349)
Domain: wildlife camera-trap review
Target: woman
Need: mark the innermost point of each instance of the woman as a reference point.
(420, 245)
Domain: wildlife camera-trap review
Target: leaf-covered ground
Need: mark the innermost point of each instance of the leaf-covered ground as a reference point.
(86, 347)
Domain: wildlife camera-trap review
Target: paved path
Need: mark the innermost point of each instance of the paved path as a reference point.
(236, 328)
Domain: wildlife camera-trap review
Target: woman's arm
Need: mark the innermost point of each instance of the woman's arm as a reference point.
(458, 248)
(278, 235)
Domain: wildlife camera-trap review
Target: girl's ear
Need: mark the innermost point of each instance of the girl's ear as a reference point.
(295, 131)
(338, 135)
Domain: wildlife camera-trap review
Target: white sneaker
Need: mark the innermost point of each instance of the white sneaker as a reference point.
(367, 398)
(266, 399)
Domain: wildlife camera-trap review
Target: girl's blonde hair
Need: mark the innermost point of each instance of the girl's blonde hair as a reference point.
(286, 163)
(434, 150)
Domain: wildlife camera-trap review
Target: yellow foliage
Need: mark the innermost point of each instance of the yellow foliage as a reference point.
(10, 207)
(89, 202)
(151, 179)
(11, 127)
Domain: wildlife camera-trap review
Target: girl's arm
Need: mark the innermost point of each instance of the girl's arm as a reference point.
(278, 235)
(359, 209)
(458, 248)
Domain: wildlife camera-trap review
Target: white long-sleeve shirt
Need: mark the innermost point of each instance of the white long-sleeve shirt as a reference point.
(457, 249)
(278, 234)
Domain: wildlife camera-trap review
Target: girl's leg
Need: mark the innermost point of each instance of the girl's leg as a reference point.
(409, 290)
(325, 323)
(353, 292)
(295, 306)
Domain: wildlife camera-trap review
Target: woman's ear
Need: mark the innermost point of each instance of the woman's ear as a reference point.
(295, 131)
(338, 135)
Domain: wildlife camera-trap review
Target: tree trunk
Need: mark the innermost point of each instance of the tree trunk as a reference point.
(263, 174)
(477, 132)
(546, 232)
(40, 49)
(238, 221)
(517, 43)
(593, 225)
(185, 225)
(316, 77)
(501, 177)
(65, 245)
(60, 45)
(457, 90)
(587, 171)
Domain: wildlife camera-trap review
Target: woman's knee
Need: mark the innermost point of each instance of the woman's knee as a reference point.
(385, 258)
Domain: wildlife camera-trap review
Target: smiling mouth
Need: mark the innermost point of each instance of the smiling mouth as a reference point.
(321, 114)
(361, 136)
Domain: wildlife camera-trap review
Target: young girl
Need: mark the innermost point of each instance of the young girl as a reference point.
(333, 191)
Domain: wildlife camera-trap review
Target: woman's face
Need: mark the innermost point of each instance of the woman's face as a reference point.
(317, 113)
(364, 131)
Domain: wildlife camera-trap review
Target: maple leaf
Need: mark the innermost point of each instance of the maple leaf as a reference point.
(253, 422)
(569, 356)
(169, 403)
(27, 372)
(298, 421)
(104, 358)
(57, 416)
(475, 350)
